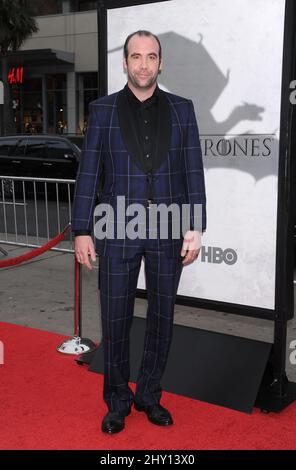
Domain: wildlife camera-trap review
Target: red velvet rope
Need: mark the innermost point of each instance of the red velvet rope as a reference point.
(36, 252)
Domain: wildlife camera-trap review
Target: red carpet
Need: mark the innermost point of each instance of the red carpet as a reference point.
(49, 402)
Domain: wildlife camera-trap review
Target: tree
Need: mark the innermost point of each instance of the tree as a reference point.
(16, 25)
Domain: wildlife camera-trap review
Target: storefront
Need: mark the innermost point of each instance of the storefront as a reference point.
(47, 95)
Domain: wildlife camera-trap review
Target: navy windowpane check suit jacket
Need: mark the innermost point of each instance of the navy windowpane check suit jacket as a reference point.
(178, 178)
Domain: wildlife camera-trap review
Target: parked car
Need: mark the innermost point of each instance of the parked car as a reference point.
(76, 139)
(37, 156)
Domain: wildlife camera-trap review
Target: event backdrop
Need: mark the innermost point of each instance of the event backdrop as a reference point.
(226, 57)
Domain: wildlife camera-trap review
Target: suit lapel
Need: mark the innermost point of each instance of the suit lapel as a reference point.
(163, 132)
(130, 137)
(128, 130)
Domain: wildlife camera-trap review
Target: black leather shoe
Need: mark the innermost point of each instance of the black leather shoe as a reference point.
(157, 414)
(113, 422)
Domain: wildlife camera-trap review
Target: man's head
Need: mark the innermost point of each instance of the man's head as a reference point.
(142, 59)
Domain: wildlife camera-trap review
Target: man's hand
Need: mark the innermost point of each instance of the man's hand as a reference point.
(191, 246)
(84, 248)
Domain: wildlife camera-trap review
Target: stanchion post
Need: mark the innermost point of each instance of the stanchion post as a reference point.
(77, 299)
(77, 345)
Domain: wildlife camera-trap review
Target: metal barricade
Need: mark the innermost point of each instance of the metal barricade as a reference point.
(33, 210)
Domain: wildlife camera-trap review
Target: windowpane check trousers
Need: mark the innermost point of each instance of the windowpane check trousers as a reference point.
(118, 284)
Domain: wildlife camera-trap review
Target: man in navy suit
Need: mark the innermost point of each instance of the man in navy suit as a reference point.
(146, 144)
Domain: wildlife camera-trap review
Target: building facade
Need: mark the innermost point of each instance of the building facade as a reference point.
(54, 76)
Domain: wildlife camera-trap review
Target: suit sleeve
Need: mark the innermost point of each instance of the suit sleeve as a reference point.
(194, 174)
(88, 175)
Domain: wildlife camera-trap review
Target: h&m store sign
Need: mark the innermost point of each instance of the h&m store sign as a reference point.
(15, 75)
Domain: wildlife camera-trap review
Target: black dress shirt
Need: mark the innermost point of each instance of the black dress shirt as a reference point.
(145, 120)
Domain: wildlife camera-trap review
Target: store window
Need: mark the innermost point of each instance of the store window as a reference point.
(87, 91)
(30, 115)
(57, 103)
(28, 112)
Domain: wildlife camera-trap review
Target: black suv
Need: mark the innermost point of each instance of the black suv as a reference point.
(42, 156)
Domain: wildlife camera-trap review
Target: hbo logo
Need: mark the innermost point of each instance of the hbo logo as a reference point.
(214, 254)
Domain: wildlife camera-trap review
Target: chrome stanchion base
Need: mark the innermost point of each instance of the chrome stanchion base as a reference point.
(77, 345)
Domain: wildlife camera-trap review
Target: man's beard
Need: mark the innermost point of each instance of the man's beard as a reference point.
(137, 84)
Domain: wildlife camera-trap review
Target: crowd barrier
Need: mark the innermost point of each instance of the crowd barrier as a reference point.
(33, 210)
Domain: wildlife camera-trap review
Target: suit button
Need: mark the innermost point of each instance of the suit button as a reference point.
(147, 156)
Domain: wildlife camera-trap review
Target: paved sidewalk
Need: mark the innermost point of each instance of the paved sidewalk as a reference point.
(40, 294)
